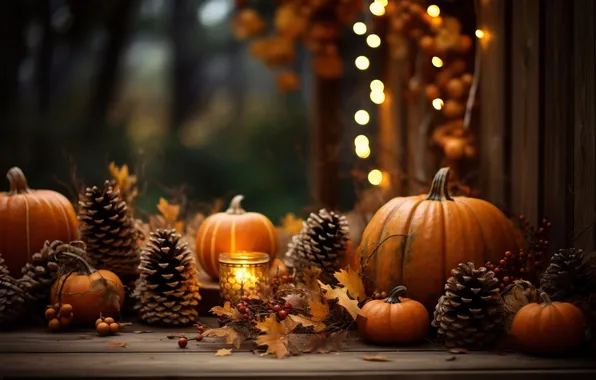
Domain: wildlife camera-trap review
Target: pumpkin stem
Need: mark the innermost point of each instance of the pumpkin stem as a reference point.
(86, 265)
(438, 189)
(235, 208)
(394, 295)
(17, 181)
(546, 299)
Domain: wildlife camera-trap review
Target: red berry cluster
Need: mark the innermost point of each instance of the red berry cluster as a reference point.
(200, 330)
(524, 265)
(281, 311)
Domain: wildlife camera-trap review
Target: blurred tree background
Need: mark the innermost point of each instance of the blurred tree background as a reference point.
(161, 85)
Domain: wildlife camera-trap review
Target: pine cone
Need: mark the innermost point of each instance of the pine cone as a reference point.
(44, 268)
(109, 231)
(571, 277)
(516, 296)
(167, 291)
(322, 243)
(470, 313)
(12, 300)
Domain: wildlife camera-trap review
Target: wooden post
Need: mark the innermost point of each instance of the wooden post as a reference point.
(584, 149)
(525, 117)
(326, 139)
(558, 100)
(492, 95)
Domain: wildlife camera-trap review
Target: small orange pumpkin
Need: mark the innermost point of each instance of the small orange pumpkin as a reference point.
(395, 320)
(548, 328)
(233, 231)
(30, 217)
(91, 292)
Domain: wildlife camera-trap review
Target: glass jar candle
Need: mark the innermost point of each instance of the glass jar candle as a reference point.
(242, 274)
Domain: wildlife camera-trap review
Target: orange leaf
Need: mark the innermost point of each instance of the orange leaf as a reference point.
(376, 358)
(310, 277)
(224, 352)
(291, 224)
(231, 335)
(352, 282)
(318, 311)
(225, 310)
(276, 335)
(343, 299)
(169, 212)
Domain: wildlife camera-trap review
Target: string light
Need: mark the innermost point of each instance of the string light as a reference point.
(433, 11)
(361, 140)
(375, 177)
(377, 85)
(373, 41)
(362, 117)
(377, 8)
(359, 28)
(437, 62)
(363, 151)
(479, 33)
(377, 97)
(437, 104)
(362, 62)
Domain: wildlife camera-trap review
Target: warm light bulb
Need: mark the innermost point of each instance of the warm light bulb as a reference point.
(437, 103)
(433, 11)
(437, 62)
(375, 177)
(383, 2)
(362, 151)
(377, 85)
(373, 41)
(479, 33)
(377, 97)
(377, 9)
(361, 140)
(362, 117)
(362, 62)
(359, 28)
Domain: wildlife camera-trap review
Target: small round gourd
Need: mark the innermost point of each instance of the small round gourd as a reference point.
(548, 328)
(394, 320)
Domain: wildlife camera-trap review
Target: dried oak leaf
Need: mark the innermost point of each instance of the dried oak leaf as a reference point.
(291, 224)
(352, 282)
(231, 335)
(226, 310)
(343, 299)
(107, 291)
(124, 181)
(224, 352)
(376, 358)
(276, 336)
(169, 216)
(318, 312)
(310, 279)
(325, 343)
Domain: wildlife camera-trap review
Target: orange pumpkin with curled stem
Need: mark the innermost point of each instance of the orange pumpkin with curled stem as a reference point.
(394, 320)
(548, 328)
(30, 217)
(91, 292)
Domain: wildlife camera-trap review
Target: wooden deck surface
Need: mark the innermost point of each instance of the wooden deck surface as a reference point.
(82, 354)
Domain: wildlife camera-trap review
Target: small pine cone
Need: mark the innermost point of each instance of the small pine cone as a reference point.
(167, 290)
(12, 298)
(44, 268)
(321, 243)
(109, 231)
(470, 313)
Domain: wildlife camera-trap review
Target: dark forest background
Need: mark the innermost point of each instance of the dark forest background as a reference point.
(162, 86)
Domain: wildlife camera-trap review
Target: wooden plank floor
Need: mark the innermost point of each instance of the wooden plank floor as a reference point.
(82, 354)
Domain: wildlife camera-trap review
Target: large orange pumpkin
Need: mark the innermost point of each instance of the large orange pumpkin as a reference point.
(91, 292)
(30, 217)
(441, 232)
(233, 231)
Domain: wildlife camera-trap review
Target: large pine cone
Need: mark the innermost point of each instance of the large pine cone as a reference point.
(470, 313)
(109, 231)
(12, 299)
(167, 291)
(322, 243)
